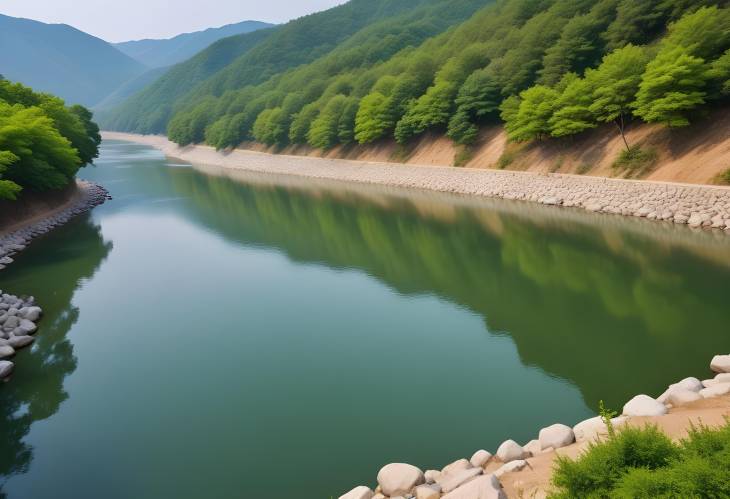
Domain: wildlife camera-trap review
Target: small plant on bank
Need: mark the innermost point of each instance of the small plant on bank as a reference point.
(723, 178)
(583, 169)
(636, 160)
(558, 164)
(463, 156)
(646, 463)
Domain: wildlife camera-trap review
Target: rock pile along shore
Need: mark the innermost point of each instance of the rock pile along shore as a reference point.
(479, 477)
(19, 315)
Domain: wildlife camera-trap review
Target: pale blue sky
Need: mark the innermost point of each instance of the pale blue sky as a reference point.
(121, 20)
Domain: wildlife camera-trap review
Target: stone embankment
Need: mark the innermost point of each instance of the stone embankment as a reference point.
(19, 315)
(694, 205)
(481, 476)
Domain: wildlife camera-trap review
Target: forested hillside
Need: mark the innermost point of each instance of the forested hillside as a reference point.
(57, 58)
(43, 142)
(166, 52)
(247, 60)
(548, 68)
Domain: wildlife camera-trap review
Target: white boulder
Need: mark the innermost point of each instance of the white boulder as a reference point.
(453, 480)
(431, 475)
(428, 492)
(399, 478)
(484, 487)
(360, 492)
(720, 364)
(556, 436)
(715, 390)
(510, 451)
(518, 465)
(533, 447)
(644, 405)
(480, 458)
(687, 384)
(679, 396)
(458, 465)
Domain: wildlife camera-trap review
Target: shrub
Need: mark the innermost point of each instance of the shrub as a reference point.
(636, 160)
(463, 156)
(645, 463)
(583, 169)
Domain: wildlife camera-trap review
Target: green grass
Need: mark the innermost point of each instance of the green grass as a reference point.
(635, 160)
(506, 159)
(645, 463)
(558, 164)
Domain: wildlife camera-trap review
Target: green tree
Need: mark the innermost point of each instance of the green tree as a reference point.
(479, 97)
(8, 188)
(532, 120)
(615, 84)
(572, 109)
(372, 120)
(301, 123)
(673, 84)
(323, 133)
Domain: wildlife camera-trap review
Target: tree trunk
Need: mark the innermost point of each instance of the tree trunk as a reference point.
(621, 127)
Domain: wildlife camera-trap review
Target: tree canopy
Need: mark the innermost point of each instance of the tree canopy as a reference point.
(43, 143)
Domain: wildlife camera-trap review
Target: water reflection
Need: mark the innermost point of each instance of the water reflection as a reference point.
(601, 305)
(36, 390)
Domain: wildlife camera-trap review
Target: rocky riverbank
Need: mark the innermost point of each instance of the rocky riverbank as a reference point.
(19, 315)
(698, 206)
(516, 470)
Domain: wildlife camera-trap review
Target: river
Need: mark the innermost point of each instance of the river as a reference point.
(219, 334)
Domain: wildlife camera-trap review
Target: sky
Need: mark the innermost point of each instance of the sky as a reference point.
(122, 20)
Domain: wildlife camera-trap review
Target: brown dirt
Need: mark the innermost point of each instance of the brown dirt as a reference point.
(31, 207)
(534, 481)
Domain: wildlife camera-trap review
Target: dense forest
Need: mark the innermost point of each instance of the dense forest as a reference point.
(546, 68)
(43, 142)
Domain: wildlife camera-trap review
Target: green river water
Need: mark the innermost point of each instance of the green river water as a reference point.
(261, 337)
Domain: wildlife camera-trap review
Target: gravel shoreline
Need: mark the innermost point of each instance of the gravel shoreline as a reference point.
(19, 315)
(698, 206)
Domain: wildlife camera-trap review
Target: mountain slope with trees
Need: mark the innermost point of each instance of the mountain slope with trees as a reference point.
(547, 70)
(62, 60)
(296, 43)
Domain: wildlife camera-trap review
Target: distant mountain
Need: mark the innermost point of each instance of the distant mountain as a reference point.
(62, 60)
(161, 53)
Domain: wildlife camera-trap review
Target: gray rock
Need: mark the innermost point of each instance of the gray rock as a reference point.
(31, 313)
(6, 351)
(399, 478)
(6, 368)
(28, 326)
(19, 342)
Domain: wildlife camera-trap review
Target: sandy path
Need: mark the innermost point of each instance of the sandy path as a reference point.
(43, 213)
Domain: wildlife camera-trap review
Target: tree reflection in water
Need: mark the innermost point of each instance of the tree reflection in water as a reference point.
(36, 390)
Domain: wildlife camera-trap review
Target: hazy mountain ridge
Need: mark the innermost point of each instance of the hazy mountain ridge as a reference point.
(156, 53)
(62, 60)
